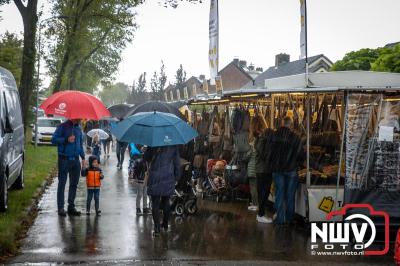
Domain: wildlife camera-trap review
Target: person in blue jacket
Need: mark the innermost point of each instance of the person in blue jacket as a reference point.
(69, 140)
(163, 172)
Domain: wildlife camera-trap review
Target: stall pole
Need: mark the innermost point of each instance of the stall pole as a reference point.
(344, 111)
(308, 140)
(272, 113)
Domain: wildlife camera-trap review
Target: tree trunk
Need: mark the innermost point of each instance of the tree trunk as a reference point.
(27, 84)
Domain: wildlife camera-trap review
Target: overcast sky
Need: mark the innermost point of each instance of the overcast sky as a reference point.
(252, 30)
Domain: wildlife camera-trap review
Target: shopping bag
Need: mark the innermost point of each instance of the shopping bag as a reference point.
(326, 204)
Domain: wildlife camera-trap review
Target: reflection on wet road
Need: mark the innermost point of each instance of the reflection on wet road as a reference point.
(219, 231)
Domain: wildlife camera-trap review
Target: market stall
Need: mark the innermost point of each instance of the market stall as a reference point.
(367, 156)
(347, 155)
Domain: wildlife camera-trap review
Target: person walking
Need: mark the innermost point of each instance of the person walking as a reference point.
(121, 149)
(106, 142)
(96, 147)
(288, 156)
(69, 140)
(93, 175)
(163, 172)
(262, 145)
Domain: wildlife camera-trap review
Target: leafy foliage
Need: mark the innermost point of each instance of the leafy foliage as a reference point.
(357, 60)
(388, 61)
(88, 41)
(138, 93)
(157, 84)
(114, 93)
(11, 54)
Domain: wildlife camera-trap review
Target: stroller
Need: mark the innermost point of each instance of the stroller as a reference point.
(219, 189)
(184, 200)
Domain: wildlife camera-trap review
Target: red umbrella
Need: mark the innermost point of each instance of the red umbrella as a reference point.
(75, 105)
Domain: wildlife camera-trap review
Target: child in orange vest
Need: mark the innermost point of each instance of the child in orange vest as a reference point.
(93, 175)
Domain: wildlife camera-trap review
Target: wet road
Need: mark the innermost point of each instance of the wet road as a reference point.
(218, 232)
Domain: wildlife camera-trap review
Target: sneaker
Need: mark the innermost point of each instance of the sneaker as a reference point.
(74, 212)
(156, 233)
(263, 219)
(146, 211)
(252, 208)
(98, 212)
(139, 211)
(117, 165)
(87, 212)
(62, 213)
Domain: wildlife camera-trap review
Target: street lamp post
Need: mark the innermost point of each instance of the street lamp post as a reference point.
(38, 73)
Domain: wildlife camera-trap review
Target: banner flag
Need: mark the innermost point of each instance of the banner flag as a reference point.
(213, 36)
(303, 32)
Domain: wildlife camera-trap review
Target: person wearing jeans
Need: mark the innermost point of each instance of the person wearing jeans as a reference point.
(288, 156)
(69, 140)
(286, 186)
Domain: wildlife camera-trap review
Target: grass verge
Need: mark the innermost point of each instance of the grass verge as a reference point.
(39, 163)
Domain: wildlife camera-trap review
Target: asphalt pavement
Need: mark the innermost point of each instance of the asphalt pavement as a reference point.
(219, 234)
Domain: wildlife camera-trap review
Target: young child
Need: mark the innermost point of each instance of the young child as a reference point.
(217, 174)
(96, 147)
(139, 174)
(93, 176)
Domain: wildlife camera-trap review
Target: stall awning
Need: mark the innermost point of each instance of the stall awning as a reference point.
(334, 81)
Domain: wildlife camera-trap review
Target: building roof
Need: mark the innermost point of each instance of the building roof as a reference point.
(286, 69)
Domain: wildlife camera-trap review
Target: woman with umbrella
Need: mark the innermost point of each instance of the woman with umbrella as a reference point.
(161, 132)
(163, 172)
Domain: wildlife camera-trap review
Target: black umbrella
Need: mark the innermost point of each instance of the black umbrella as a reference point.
(120, 110)
(156, 106)
(178, 104)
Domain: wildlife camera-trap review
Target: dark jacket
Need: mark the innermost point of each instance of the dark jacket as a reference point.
(164, 170)
(263, 147)
(60, 138)
(288, 153)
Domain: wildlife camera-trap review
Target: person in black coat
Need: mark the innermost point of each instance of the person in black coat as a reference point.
(288, 155)
(163, 172)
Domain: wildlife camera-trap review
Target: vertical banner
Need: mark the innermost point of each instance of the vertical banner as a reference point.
(178, 94)
(205, 87)
(166, 96)
(171, 93)
(213, 36)
(218, 85)
(303, 32)
(194, 91)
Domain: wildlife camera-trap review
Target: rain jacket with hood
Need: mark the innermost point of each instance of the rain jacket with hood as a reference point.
(93, 174)
(288, 152)
(163, 170)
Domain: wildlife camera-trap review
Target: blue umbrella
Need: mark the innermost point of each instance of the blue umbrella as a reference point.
(154, 129)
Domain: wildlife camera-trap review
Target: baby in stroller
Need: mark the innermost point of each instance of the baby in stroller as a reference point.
(216, 185)
(217, 175)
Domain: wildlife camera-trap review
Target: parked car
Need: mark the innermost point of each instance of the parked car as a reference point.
(46, 128)
(12, 138)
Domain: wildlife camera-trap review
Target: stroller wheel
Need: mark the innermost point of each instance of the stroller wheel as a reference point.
(179, 209)
(191, 207)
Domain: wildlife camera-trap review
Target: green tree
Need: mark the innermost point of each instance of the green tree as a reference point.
(114, 93)
(28, 12)
(89, 41)
(357, 60)
(11, 54)
(157, 84)
(138, 93)
(388, 60)
(180, 76)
